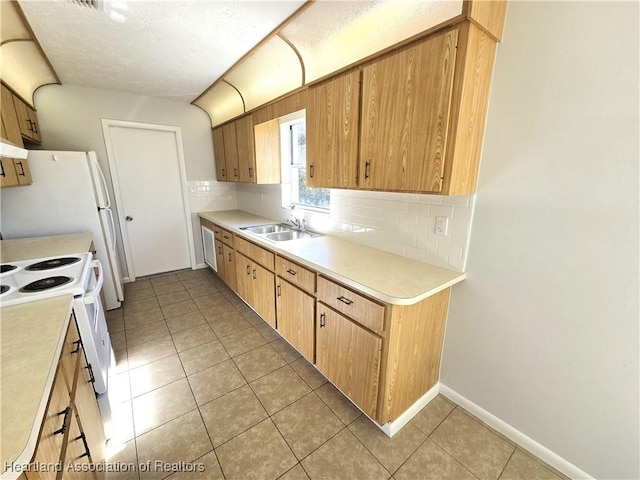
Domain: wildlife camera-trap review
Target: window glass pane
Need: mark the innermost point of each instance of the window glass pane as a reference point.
(316, 197)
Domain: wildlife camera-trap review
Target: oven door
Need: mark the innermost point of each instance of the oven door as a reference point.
(92, 325)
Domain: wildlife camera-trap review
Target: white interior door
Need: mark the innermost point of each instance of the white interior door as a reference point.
(149, 180)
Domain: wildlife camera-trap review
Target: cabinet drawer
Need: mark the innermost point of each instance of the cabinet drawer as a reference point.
(226, 237)
(358, 307)
(296, 274)
(258, 254)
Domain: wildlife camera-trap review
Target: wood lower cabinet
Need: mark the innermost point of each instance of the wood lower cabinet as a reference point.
(72, 428)
(229, 266)
(295, 317)
(349, 356)
(256, 285)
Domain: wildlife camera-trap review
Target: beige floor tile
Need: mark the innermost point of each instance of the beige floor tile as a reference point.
(390, 452)
(173, 297)
(155, 375)
(242, 341)
(122, 460)
(472, 444)
(121, 362)
(196, 282)
(266, 330)
(338, 403)
(115, 324)
(522, 466)
(169, 288)
(259, 362)
(258, 453)
(232, 323)
(250, 316)
(289, 353)
(122, 422)
(118, 341)
(309, 373)
(185, 321)
(430, 462)
(113, 313)
(162, 405)
(139, 284)
(186, 339)
(119, 390)
(215, 381)
(433, 414)
(232, 414)
(131, 307)
(279, 389)
(139, 294)
(343, 457)
(143, 317)
(146, 333)
(205, 288)
(296, 473)
(180, 308)
(163, 279)
(207, 466)
(306, 424)
(183, 439)
(203, 356)
(190, 275)
(151, 351)
(209, 300)
(220, 311)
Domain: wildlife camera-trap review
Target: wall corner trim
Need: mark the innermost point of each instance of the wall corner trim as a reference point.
(537, 449)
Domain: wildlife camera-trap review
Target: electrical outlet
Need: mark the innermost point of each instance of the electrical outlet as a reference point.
(442, 225)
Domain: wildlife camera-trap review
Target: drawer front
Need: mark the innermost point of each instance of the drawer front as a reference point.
(296, 274)
(226, 237)
(258, 254)
(358, 307)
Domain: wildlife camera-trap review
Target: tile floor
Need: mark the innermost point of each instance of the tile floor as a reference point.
(202, 382)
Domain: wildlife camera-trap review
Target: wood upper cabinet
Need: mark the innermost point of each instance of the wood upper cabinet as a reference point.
(295, 317)
(14, 172)
(406, 104)
(246, 149)
(333, 110)
(218, 153)
(27, 120)
(349, 356)
(9, 117)
(267, 145)
(231, 151)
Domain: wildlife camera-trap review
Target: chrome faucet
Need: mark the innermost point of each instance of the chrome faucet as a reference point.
(298, 223)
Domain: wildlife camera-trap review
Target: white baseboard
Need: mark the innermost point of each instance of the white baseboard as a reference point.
(394, 427)
(201, 265)
(125, 280)
(517, 436)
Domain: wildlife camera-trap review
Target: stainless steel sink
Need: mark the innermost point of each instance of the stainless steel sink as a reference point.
(273, 228)
(291, 235)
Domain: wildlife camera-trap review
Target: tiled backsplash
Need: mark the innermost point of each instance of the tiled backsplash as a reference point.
(209, 195)
(400, 223)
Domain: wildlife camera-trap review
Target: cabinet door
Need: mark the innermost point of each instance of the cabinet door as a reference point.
(246, 149)
(230, 267)
(406, 100)
(264, 293)
(27, 120)
(23, 172)
(296, 319)
(349, 356)
(267, 144)
(231, 151)
(78, 454)
(8, 175)
(220, 263)
(218, 154)
(10, 123)
(333, 111)
(244, 278)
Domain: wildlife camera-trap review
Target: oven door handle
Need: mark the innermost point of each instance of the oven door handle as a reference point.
(89, 299)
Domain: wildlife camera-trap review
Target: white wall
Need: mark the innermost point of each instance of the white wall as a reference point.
(70, 119)
(544, 333)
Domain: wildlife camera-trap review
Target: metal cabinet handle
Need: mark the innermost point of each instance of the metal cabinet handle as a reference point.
(92, 379)
(224, 173)
(311, 171)
(230, 257)
(86, 445)
(219, 250)
(30, 123)
(322, 318)
(291, 272)
(248, 270)
(367, 168)
(226, 237)
(235, 172)
(2, 174)
(345, 300)
(63, 428)
(34, 126)
(250, 172)
(21, 168)
(279, 291)
(254, 273)
(78, 344)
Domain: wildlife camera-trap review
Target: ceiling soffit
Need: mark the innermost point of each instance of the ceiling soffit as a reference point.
(318, 39)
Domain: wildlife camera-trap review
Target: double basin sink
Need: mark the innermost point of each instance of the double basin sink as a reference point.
(279, 232)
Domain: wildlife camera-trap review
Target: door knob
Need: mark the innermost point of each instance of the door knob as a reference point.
(128, 218)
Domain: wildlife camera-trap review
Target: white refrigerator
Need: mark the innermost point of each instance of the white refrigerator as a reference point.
(68, 194)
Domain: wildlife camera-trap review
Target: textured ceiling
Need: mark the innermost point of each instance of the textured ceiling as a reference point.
(169, 49)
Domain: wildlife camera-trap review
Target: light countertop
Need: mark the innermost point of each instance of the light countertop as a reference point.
(30, 346)
(16, 249)
(385, 276)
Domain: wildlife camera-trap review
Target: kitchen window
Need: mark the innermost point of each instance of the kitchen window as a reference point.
(293, 139)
